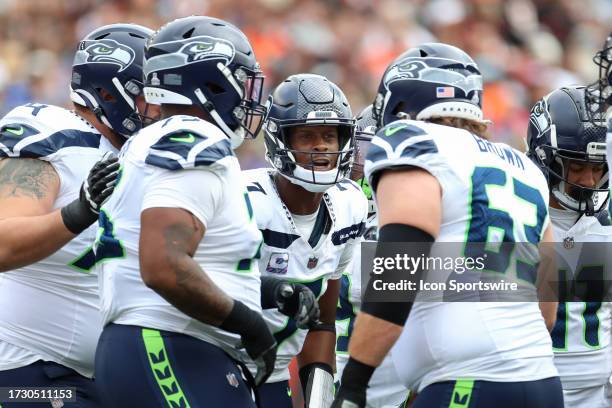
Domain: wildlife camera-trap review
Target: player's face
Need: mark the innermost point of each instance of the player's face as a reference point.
(152, 112)
(583, 174)
(315, 147)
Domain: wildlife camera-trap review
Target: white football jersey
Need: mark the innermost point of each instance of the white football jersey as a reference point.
(51, 308)
(384, 388)
(288, 255)
(581, 336)
(490, 193)
(161, 155)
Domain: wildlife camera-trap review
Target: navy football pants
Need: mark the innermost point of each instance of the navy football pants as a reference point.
(50, 374)
(275, 395)
(140, 367)
(545, 393)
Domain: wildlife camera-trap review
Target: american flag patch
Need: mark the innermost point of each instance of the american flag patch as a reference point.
(445, 92)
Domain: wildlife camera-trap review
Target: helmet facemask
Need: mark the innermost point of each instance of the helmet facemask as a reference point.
(250, 114)
(573, 196)
(362, 142)
(284, 157)
(599, 94)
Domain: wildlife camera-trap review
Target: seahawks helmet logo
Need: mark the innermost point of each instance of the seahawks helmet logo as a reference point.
(411, 69)
(208, 48)
(110, 52)
(540, 117)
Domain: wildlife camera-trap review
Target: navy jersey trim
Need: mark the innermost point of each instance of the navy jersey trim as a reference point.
(11, 134)
(179, 144)
(419, 148)
(321, 222)
(278, 239)
(343, 235)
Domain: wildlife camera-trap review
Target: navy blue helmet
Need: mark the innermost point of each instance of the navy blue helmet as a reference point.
(365, 129)
(209, 63)
(430, 81)
(110, 59)
(303, 100)
(599, 93)
(560, 130)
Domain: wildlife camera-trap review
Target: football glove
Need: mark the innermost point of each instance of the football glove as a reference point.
(298, 302)
(255, 337)
(353, 385)
(95, 190)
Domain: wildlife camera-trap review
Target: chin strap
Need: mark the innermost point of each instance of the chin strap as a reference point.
(589, 206)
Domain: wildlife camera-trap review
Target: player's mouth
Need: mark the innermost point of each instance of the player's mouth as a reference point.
(322, 164)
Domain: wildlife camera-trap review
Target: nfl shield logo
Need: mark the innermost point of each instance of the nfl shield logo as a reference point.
(232, 380)
(312, 262)
(568, 242)
(57, 403)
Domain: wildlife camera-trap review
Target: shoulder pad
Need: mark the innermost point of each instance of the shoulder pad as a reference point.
(400, 140)
(184, 149)
(22, 140)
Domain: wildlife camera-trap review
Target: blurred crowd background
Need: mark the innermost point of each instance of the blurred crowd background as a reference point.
(525, 48)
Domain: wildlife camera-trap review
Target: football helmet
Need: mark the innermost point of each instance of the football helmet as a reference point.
(308, 100)
(599, 93)
(429, 81)
(209, 63)
(110, 59)
(560, 131)
(365, 129)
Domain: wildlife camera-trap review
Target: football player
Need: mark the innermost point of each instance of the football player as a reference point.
(570, 150)
(384, 389)
(311, 216)
(179, 285)
(598, 101)
(50, 194)
(437, 178)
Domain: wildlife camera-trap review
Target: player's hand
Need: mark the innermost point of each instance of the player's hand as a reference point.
(261, 347)
(100, 183)
(353, 385)
(96, 189)
(349, 398)
(298, 302)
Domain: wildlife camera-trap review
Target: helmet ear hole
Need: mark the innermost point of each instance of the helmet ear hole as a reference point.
(106, 96)
(398, 108)
(215, 89)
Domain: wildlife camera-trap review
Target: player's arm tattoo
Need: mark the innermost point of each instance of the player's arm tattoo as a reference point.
(32, 178)
(190, 290)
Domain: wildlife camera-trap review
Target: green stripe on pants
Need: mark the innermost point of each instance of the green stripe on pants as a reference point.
(162, 371)
(462, 394)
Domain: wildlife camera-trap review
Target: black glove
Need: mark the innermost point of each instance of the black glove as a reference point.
(298, 302)
(353, 385)
(349, 399)
(95, 190)
(256, 338)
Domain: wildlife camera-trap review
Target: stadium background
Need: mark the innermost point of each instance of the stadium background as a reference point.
(525, 48)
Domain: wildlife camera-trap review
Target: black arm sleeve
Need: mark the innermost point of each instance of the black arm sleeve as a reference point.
(396, 312)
